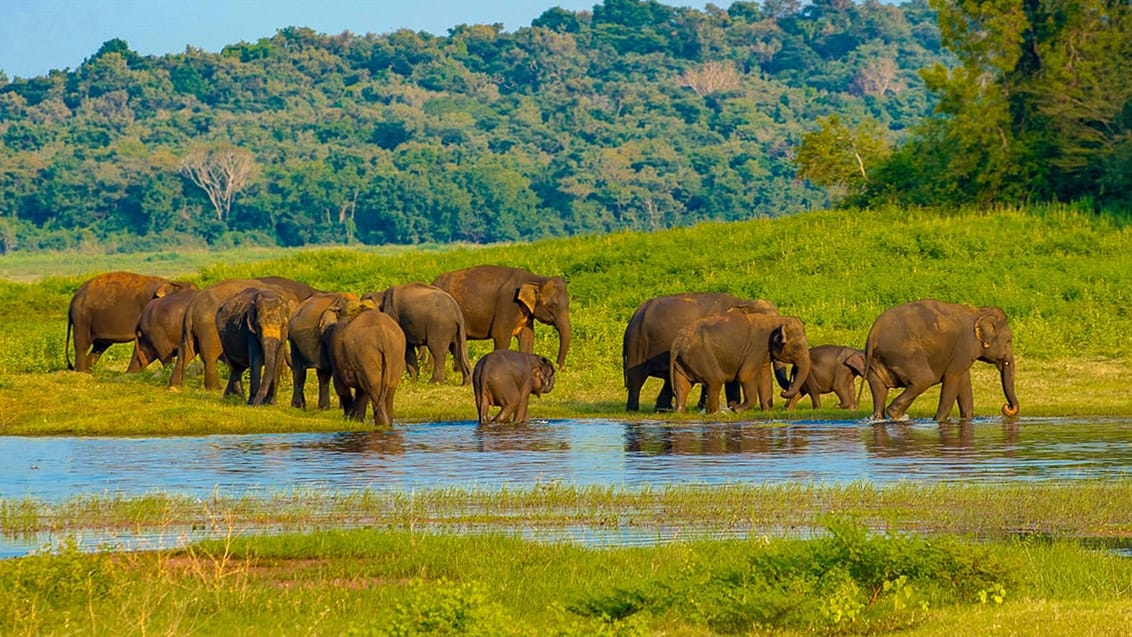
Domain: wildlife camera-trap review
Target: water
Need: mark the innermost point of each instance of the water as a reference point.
(572, 452)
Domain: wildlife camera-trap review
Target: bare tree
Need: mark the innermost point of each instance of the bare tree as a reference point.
(221, 172)
(711, 77)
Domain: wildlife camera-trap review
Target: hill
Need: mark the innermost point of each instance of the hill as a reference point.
(636, 115)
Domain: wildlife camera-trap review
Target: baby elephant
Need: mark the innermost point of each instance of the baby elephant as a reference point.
(833, 369)
(506, 378)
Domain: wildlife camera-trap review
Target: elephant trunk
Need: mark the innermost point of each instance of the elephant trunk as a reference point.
(801, 373)
(563, 327)
(1006, 371)
(273, 361)
(782, 375)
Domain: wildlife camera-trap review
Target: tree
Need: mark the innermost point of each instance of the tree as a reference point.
(839, 158)
(221, 172)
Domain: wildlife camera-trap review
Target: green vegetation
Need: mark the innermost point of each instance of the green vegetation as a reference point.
(372, 582)
(636, 115)
(1063, 277)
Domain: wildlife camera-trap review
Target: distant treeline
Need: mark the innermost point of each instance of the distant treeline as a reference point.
(633, 115)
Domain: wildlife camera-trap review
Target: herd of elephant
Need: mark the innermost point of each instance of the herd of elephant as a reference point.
(363, 345)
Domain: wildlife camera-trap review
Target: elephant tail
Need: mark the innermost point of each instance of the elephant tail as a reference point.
(461, 355)
(67, 343)
(388, 377)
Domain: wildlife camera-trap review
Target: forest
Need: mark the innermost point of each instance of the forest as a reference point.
(636, 115)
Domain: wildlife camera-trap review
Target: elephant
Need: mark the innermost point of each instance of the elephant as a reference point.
(158, 332)
(307, 348)
(652, 328)
(432, 318)
(367, 354)
(506, 379)
(928, 342)
(198, 330)
(833, 369)
(500, 303)
(252, 327)
(738, 346)
(105, 310)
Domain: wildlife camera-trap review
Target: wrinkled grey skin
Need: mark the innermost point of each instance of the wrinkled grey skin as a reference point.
(252, 327)
(928, 342)
(655, 324)
(105, 310)
(307, 347)
(738, 346)
(158, 333)
(506, 379)
(430, 318)
(198, 330)
(502, 303)
(834, 369)
(367, 358)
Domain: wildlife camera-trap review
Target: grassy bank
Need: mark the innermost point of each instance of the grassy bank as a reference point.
(1063, 277)
(373, 582)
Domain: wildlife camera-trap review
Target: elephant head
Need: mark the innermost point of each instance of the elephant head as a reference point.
(549, 303)
(996, 346)
(788, 344)
(267, 319)
(543, 374)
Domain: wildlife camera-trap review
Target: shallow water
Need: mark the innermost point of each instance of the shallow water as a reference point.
(572, 452)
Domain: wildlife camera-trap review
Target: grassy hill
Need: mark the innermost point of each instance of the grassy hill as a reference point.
(1063, 277)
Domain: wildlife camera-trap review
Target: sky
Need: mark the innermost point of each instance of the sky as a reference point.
(39, 35)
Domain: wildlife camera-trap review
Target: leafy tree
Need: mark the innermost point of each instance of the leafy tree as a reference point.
(838, 157)
(222, 172)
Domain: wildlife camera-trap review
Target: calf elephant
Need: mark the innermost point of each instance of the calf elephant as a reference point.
(198, 330)
(738, 346)
(430, 317)
(105, 310)
(367, 354)
(502, 303)
(307, 348)
(928, 342)
(158, 333)
(506, 379)
(652, 328)
(252, 327)
(833, 369)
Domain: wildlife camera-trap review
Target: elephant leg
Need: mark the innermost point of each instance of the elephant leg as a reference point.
(880, 394)
(457, 366)
(345, 396)
(635, 378)
(526, 339)
(752, 390)
(96, 351)
(255, 382)
(81, 338)
(361, 402)
(411, 361)
(815, 396)
(966, 398)
(209, 355)
(664, 398)
(298, 385)
(899, 407)
(793, 402)
(235, 386)
(733, 392)
(948, 393)
(323, 388)
(507, 411)
(681, 386)
(524, 403)
(437, 352)
(712, 389)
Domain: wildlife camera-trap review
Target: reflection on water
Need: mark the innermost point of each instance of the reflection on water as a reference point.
(579, 452)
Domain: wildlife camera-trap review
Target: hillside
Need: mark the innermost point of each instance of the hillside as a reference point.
(636, 115)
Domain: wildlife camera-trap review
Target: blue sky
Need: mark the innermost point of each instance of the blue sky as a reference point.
(39, 35)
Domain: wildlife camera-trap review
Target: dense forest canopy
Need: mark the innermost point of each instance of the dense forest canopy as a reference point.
(635, 115)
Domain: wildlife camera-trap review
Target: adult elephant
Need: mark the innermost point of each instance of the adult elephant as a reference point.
(501, 303)
(652, 328)
(105, 310)
(431, 318)
(158, 333)
(833, 369)
(252, 326)
(307, 348)
(198, 330)
(367, 356)
(928, 342)
(738, 346)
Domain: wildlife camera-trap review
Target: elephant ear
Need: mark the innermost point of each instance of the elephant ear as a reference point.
(328, 318)
(856, 362)
(165, 289)
(987, 325)
(250, 318)
(528, 296)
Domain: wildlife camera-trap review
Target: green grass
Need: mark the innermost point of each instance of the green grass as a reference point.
(1064, 278)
